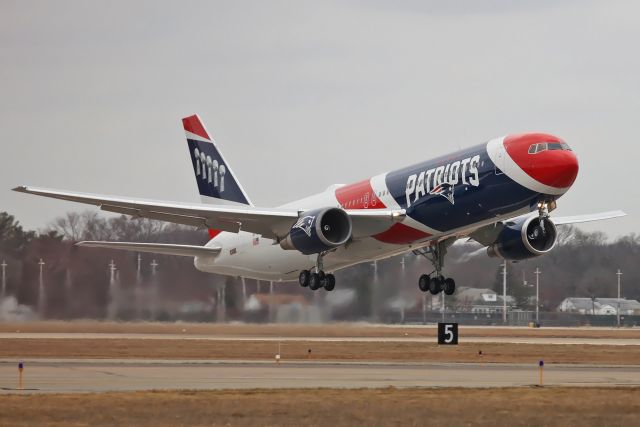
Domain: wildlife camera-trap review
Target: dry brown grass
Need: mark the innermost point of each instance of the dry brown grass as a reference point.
(27, 348)
(329, 330)
(330, 407)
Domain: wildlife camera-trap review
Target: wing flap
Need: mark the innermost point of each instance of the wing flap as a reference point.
(155, 248)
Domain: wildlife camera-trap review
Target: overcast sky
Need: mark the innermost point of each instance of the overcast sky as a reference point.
(301, 95)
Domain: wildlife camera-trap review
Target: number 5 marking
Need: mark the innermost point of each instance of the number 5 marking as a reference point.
(448, 333)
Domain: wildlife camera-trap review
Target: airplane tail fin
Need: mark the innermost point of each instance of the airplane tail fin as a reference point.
(216, 181)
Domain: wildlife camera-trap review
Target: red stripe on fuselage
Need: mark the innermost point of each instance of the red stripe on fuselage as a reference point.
(213, 232)
(192, 124)
(399, 234)
(359, 196)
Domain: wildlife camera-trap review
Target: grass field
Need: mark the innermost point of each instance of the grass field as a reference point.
(330, 407)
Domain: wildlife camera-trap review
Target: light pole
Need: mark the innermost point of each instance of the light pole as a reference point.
(137, 290)
(537, 273)
(154, 289)
(504, 292)
(112, 307)
(112, 270)
(619, 273)
(244, 291)
(4, 278)
(41, 296)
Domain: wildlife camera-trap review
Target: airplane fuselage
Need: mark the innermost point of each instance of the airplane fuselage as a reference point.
(450, 196)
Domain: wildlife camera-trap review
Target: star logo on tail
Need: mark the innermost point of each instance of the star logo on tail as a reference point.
(445, 190)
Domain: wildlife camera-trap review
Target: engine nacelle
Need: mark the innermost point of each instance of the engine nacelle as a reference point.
(524, 238)
(319, 230)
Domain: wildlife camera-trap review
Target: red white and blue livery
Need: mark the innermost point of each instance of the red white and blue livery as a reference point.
(499, 193)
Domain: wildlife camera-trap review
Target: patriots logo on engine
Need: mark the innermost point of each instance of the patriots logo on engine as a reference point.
(305, 224)
(445, 190)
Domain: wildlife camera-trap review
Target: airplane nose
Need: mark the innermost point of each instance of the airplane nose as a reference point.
(545, 158)
(557, 168)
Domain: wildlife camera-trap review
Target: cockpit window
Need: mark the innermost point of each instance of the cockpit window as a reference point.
(537, 148)
(543, 146)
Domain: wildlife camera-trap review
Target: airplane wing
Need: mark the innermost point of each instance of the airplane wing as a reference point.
(576, 219)
(489, 233)
(270, 223)
(156, 248)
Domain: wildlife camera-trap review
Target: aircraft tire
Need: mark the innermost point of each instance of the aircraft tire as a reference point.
(329, 282)
(314, 281)
(435, 285)
(303, 278)
(449, 286)
(423, 282)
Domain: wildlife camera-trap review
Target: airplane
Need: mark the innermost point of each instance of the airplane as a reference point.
(499, 193)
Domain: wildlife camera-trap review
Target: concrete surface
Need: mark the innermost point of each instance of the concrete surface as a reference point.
(59, 375)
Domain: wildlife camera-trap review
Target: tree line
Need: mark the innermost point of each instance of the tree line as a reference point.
(77, 280)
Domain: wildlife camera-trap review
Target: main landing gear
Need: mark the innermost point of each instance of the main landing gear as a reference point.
(317, 279)
(436, 283)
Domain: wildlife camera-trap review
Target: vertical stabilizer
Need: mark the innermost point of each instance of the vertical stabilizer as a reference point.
(216, 181)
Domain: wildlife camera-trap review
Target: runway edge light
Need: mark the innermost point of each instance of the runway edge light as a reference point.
(541, 372)
(20, 375)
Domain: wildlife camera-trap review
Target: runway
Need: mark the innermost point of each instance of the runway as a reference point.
(79, 376)
(409, 339)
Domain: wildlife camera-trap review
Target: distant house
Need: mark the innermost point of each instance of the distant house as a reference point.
(481, 300)
(599, 306)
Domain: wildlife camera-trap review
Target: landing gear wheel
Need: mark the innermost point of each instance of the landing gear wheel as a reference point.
(303, 278)
(314, 281)
(449, 286)
(329, 282)
(435, 285)
(423, 282)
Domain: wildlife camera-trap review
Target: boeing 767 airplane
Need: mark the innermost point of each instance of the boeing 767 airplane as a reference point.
(499, 193)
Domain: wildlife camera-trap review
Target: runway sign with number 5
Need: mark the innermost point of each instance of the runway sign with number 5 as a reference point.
(448, 333)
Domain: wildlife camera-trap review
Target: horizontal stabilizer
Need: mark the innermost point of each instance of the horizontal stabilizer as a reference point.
(155, 248)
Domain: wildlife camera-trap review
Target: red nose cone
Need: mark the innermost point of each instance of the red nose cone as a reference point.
(545, 158)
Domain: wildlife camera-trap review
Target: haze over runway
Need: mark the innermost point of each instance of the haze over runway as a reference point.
(94, 93)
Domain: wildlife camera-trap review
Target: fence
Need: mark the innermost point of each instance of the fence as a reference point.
(515, 318)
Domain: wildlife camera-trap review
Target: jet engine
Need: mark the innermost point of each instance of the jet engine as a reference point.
(319, 230)
(524, 238)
